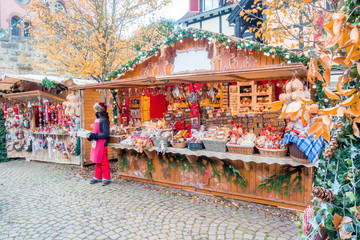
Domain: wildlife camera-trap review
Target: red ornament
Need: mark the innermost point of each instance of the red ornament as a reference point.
(134, 66)
(232, 42)
(251, 51)
(192, 32)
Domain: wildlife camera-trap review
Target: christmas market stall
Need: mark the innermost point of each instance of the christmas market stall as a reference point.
(42, 118)
(193, 113)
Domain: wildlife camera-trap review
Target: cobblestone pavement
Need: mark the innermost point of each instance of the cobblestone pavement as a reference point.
(44, 201)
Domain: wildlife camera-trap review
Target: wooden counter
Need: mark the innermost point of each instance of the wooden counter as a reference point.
(252, 167)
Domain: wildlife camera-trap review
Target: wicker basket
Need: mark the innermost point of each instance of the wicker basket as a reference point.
(195, 146)
(156, 141)
(179, 145)
(272, 152)
(215, 145)
(240, 150)
(296, 154)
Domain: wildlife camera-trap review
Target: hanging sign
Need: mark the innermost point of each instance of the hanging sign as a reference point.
(191, 60)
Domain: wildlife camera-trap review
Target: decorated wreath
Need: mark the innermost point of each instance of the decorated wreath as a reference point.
(9, 147)
(18, 146)
(8, 124)
(9, 137)
(20, 134)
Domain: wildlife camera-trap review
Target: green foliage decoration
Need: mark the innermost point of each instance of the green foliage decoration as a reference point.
(230, 172)
(77, 149)
(3, 151)
(281, 182)
(29, 147)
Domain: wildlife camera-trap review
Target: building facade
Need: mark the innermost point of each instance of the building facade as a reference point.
(14, 17)
(221, 16)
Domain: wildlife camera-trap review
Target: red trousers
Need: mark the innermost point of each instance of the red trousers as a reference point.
(102, 170)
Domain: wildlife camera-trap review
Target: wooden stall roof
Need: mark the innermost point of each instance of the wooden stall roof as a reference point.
(33, 96)
(278, 71)
(8, 80)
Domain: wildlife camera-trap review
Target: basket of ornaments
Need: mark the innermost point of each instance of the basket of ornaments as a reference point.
(269, 143)
(216, 138)
(241, 142)
(194, 140)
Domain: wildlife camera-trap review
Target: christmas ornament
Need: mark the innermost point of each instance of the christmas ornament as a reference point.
(324, 194)
(333, 145)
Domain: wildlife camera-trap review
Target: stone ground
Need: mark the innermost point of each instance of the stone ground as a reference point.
(45, 201)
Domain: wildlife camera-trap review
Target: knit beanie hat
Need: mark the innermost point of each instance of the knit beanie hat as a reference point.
(100, 107)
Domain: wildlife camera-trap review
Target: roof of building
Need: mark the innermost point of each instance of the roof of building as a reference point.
(193, 15)
(8, 80)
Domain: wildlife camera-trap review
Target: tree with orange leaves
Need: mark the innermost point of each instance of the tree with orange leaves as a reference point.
(152, 34)
(337, 120)
(89, 38)
(295, 24)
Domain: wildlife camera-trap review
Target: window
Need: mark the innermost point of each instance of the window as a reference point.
(27, 26)
(15, 26)
(23, 2)
(59, 6)
(210, 4)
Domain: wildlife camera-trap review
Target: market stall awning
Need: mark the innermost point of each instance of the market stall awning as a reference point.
(33, 96)
(270, 72)
(126, 82)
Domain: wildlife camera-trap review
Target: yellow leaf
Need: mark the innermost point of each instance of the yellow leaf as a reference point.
(293, 107)
(354, 35)
(328, 111)
(277, 104)
(344, 93)
(329, 26)
(353, 111)
(315, 127)
(319, 133)
(307, 101)
(351, 100)
(341, 112)
(326, 133)
(356, 130)
(330, 94)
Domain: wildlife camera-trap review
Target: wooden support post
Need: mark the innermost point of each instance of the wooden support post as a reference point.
(149, 154)
(191, 158)
(247, 166)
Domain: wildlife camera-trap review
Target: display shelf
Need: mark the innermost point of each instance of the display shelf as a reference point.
(220, 155)
(57, 134)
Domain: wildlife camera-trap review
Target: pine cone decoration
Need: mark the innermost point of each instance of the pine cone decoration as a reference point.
(325, 195)
(333, 145)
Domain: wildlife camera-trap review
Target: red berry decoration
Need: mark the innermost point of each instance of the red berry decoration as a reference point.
(251, 51)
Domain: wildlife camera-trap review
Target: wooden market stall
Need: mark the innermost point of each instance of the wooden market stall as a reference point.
(244, 80)
(36, 136)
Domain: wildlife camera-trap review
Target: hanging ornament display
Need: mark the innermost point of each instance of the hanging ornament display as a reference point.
(5, 111)
(333, 145)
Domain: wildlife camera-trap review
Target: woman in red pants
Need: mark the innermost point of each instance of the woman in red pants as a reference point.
(99, 142)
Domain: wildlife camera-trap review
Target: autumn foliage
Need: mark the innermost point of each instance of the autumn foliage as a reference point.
(89, 38)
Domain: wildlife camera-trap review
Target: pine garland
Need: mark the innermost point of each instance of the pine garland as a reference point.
(150, 169)
(29, 147)
(3, 151)
(230, 172)
(77, 149)
(281, 182)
